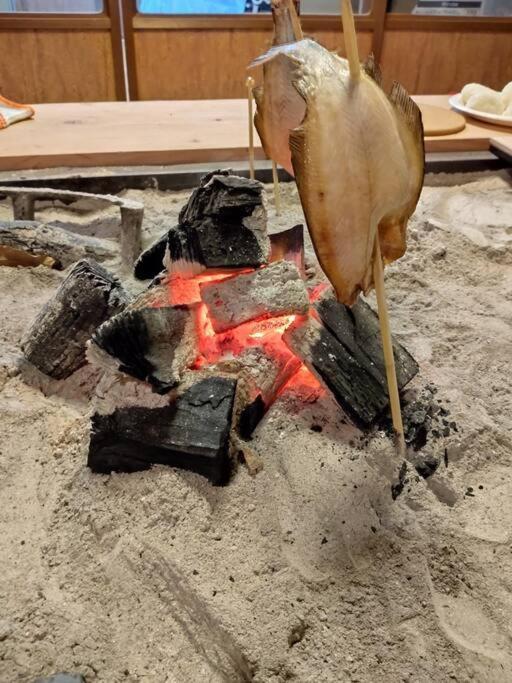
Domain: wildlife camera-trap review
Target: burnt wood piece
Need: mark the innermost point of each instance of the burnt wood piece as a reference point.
(19, 239)
(356, 390)
(358, 330)
(223, 225)
(193, 433)
(288, 245)
(262, 373)
(268, 292)
(151, 344)
(56, 341)
(132, 212)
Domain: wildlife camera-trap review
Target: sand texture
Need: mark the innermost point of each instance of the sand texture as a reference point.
(309, 571)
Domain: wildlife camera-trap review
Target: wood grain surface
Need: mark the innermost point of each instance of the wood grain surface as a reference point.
(164, 132)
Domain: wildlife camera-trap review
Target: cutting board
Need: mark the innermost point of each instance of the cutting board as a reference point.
(439, 121)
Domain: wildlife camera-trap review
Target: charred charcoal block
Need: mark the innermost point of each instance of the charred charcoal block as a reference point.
(356, 390)
(358, 330)
(262, 373)
(151, 344)
(56, 341)
(192, 434)
(269, 292)
(223, 225)
(288, 245)
(151, 262)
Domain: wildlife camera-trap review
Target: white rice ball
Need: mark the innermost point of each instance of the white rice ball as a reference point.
(506, 94)
(489, 101)
(508, 111)
(472, 89)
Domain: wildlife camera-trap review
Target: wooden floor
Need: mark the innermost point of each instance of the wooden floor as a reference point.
(170, 132)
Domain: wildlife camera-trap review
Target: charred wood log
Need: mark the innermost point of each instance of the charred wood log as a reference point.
(151, 344)
(357, 329)
(223, 225)
(262, 374)
(24, 200)
(56, 341)
(31, 243)
(193, 433)
(269, 292)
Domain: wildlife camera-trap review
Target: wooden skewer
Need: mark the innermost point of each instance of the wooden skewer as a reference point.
(387, 345)
(250, 85)
(350, 38)
(277, 190)
(297, 28)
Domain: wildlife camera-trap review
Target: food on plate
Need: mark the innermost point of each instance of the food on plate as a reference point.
(506, 95)
(490, 102)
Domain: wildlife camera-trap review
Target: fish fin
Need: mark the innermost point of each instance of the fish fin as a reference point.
(288, 50)
(393, 228)
(349, 34)
(407, 110)
(372, 69)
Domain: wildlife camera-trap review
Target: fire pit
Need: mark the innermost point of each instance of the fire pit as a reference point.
(199, 357)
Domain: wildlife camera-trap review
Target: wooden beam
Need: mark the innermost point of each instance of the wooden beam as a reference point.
(51, 22)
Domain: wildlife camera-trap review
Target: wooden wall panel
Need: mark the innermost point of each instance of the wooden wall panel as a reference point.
(189, 64)
(435, 63)
(57, 66)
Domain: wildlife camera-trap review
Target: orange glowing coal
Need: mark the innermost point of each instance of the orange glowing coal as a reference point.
(266, 334)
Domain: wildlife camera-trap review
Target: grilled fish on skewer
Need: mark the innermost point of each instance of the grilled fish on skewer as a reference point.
(358, 160)
(280, 108)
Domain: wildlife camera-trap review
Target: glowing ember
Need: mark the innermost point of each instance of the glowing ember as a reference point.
(265, 334)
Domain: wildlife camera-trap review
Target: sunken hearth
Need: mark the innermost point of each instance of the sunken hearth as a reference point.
(188, 368)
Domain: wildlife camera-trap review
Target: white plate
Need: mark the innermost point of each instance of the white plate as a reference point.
(456, 103)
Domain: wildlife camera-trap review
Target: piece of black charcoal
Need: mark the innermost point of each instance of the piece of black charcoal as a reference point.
(358, 329)
(223, 225)
(56, 341)
(193, 433)
(155, 345)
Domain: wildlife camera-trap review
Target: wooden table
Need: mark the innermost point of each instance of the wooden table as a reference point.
(170, 132)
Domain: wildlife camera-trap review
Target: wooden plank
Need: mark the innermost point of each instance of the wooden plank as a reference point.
(433, 61)
(502, 147)
(165, 132)
(57, 65)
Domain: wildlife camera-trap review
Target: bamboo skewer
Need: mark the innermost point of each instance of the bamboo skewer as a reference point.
(277, 189)
(250, 85)
(350, 38)
(387, 345)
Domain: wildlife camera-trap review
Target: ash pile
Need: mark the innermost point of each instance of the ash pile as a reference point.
(188, 368)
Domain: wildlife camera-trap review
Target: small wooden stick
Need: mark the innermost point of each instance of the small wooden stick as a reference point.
(350, 38)
(297, 28)
(387, 345)
(277, 190)
(250, 85)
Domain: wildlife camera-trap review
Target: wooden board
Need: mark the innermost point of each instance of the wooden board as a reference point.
(441, 121)
(168, 132)
(502, 146)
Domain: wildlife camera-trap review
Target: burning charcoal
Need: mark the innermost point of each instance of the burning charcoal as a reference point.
(357, 328)
(262, 373)
(151, 344)
(192, 433)
(357, 391)
(56, 341)
(268, 292)
(288, 245)
(30, 243)
(223, 225)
